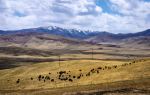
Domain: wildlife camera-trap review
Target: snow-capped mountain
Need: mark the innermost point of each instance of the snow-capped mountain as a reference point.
(69, 33)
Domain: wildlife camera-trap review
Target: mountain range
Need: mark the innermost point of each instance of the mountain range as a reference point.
(80, 35)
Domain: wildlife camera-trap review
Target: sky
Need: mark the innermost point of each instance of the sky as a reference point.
(116, 16)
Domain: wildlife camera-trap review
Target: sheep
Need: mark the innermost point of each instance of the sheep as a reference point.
(81, 74)
(42, 77)
(78, 77)
(31, 78)
(99, 68)
(39, 77)
(18, 81)
(61, 72)
(88, 74)
(92, 70)
(70, 80)
(52, 80)
(124, 64)
(97, 71)
(74, 76)
(69, 75)
(47, 77)
(115, 66)
(109, 67)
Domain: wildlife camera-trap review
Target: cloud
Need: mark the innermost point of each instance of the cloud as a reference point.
(134, 15)
(126, 15)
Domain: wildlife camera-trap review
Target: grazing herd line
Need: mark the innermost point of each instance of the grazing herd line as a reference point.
(68, 76)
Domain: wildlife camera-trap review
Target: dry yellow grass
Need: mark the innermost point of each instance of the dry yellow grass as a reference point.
(138, 70)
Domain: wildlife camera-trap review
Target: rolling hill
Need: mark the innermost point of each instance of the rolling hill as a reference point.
(37, 40)
(125, 75)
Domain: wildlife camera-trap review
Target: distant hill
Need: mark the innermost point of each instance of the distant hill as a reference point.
(109, 37)
(140, 41)
(38, 40)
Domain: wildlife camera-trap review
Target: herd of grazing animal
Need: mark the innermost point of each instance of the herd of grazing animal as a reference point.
(68, 76)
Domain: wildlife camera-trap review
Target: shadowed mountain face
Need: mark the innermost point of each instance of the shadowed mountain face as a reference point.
(23, 37)
(118, 37)
(38, 40)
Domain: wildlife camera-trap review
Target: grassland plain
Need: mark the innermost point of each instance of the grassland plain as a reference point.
(135, 75)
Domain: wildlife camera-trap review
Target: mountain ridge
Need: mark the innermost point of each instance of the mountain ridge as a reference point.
(90, 36)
